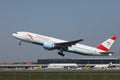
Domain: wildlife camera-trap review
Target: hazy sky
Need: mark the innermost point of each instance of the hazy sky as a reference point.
(92, 20)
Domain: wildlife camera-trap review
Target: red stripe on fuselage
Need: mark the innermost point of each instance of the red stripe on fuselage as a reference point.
(30, 36)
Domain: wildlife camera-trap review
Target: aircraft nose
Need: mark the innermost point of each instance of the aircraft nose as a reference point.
(14, 34)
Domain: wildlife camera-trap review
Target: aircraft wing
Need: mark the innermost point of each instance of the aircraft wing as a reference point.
(65, 45)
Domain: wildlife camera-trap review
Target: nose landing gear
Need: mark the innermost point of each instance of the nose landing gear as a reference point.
(20, 42)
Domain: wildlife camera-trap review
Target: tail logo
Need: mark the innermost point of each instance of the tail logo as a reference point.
(108, 43)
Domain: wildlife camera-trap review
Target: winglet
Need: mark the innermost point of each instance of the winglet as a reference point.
(106, 45)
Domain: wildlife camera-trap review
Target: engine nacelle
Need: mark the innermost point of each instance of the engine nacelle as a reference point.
(48, 45)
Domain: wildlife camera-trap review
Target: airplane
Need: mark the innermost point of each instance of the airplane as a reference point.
(103, 66)
(50, 43)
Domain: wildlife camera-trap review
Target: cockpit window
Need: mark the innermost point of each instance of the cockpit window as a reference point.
(15, 32)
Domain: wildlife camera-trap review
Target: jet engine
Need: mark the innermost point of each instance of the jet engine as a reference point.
(48, 45)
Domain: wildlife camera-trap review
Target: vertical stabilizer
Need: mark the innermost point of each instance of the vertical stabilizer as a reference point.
(106, 45)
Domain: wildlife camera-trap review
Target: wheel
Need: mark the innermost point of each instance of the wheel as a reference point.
(61, 54)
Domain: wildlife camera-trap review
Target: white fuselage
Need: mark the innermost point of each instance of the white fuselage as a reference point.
(101, 66)
(40, 39)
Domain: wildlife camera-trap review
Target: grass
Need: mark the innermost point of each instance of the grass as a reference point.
(83, 75)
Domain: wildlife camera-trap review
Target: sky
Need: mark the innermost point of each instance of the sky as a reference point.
(92, 20)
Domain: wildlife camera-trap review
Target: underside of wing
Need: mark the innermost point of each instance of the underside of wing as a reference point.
(65, 45)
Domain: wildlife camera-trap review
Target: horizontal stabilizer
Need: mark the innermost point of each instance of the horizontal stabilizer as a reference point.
(107, 53)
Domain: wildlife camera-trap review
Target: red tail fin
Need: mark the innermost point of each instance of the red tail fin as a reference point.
(106, 45)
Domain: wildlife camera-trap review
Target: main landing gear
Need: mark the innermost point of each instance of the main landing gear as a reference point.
(61, 53)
